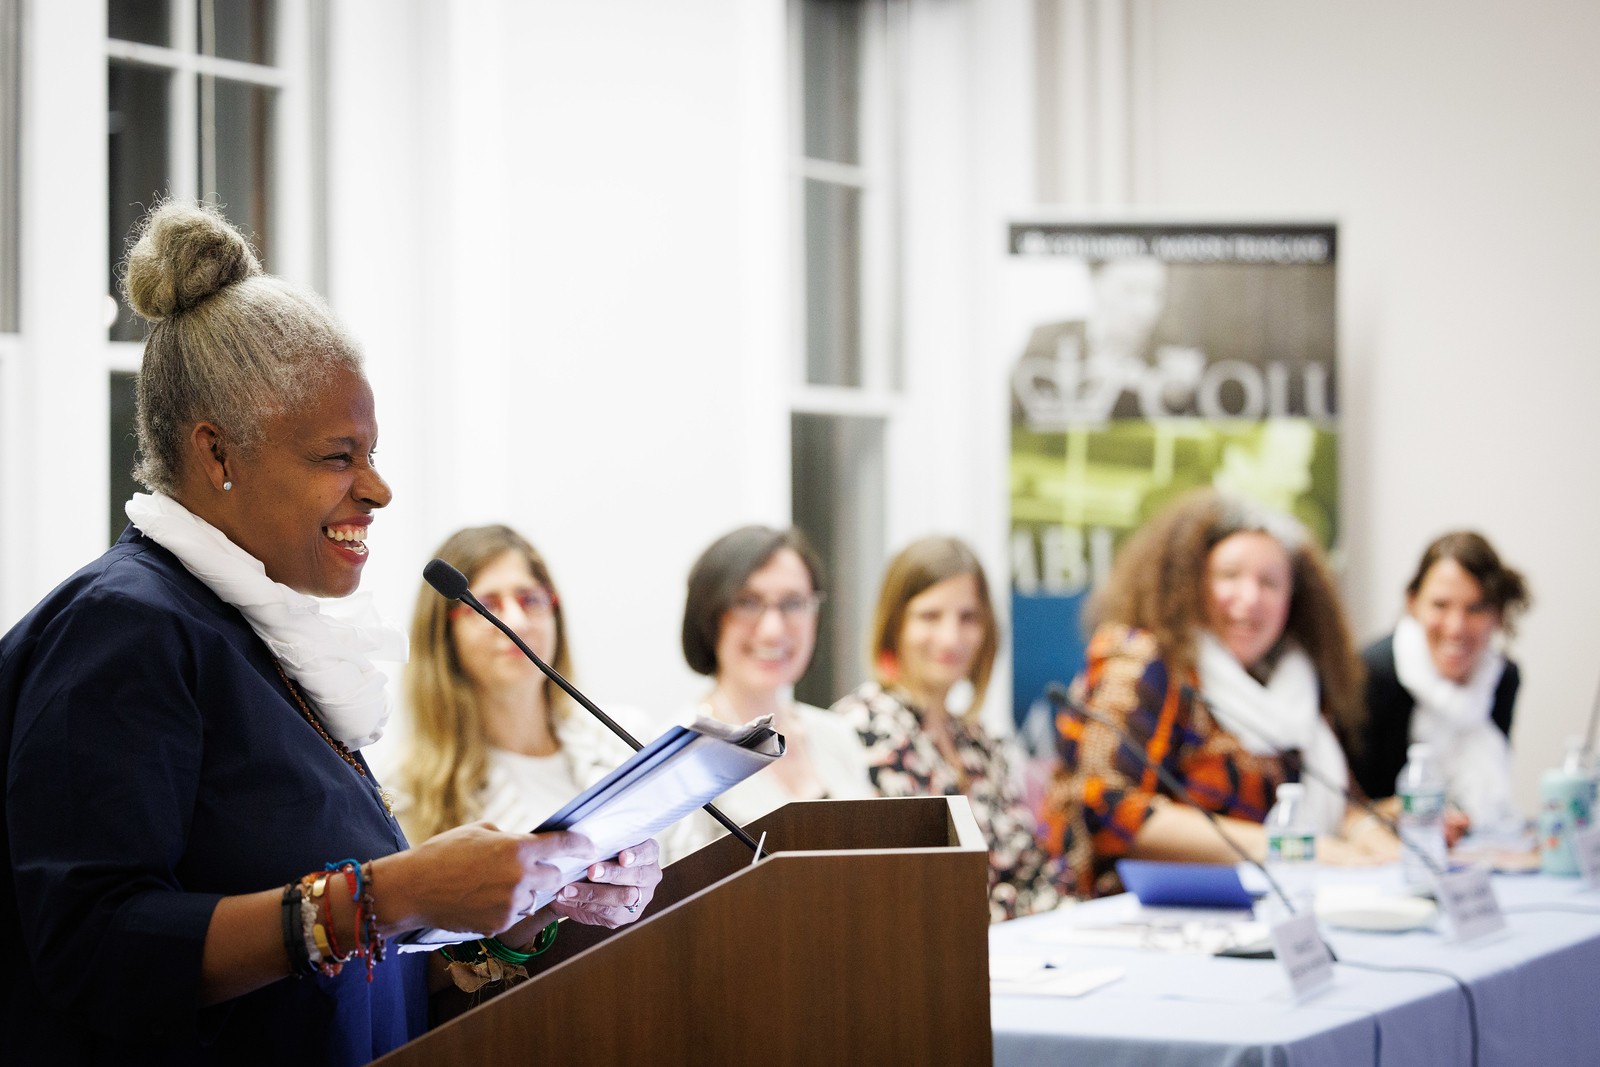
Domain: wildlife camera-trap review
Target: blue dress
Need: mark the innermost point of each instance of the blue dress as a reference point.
(156, 763)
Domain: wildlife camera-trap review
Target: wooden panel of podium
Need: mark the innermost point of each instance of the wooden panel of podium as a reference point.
(862, 939)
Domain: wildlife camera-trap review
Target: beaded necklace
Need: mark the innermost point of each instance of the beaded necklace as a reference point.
(334, 743)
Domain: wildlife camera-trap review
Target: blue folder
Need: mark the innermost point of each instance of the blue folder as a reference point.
(1184, 885)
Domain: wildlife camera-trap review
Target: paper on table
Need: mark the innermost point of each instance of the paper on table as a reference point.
(680, 771)
(1035, 979)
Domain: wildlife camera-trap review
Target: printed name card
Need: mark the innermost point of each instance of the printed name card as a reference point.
(1297, 944)
(1469, 904)
(1586, 843)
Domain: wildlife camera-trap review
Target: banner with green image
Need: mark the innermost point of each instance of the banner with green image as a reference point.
(1154, 358)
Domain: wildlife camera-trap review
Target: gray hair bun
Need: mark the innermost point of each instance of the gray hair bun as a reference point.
(184, 253)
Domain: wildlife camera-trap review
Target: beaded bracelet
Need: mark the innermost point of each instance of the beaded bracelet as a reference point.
(367, 917)
(309, 937)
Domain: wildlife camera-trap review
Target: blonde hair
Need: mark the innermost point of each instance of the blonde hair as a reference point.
(228, 343)
(446, 765)
(919, 566)
(1158, 584)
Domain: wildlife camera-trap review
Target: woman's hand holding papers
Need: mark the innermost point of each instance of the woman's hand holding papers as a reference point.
(615, 893)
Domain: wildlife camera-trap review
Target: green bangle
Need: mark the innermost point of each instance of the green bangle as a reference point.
(502, 951)
(478, 951)
(471, 952)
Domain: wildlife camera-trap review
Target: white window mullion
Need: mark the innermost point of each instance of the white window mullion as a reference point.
(297, 159)
(183, 151)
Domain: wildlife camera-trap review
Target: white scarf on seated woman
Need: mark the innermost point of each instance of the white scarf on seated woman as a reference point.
(1283, 715)
(1454, 720)
(329, 656)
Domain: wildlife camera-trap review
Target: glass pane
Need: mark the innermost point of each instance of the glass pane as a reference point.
(837, 476)
(137, 123)
(144, 21)
(236, 164)
(10, 156)
(237, 29)
(831, 62)
(123, 450)
(833, 284)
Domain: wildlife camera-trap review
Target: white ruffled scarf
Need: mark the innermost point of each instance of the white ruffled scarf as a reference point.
(328, 655)
(1454, 720)
(1283, 715)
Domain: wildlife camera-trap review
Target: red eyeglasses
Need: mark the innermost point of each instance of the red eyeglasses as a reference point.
(535, 603)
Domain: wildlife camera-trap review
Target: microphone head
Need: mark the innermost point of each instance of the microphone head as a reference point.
(1056, 693)
(450, 583)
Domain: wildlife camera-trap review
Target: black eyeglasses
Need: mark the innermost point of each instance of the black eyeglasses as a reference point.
(749, 608)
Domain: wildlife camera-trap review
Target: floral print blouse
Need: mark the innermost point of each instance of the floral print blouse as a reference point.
(905, 762)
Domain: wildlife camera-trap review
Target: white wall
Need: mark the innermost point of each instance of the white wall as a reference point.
(561, 230)
(565, 253)
(1455, 142)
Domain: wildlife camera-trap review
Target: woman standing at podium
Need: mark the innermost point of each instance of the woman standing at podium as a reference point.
(1221, 652)
(202, 868)
(750, 624)
(933, 644)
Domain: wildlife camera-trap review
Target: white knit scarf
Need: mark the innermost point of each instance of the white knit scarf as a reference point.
(328, 655)
(1454, 720)
(1282, 715)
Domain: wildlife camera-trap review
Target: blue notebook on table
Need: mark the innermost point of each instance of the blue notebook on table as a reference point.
(1184, 885)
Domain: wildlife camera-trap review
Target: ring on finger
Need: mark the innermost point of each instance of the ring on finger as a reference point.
(638, 897)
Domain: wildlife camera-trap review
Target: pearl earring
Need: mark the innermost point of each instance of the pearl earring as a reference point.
(226, 486)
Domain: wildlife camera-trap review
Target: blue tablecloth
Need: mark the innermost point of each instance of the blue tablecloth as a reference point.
(1536, 987)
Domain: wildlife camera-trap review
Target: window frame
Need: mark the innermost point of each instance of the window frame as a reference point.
(855, 568)
(296, 155)
(11, 69)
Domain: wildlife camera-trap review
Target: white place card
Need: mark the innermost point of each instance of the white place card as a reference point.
(1298, 946)
(1469, 905)
(1586, 844)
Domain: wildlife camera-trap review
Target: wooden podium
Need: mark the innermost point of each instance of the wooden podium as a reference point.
(863, 939)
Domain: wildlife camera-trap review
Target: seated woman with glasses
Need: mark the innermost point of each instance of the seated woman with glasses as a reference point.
(933, 644)
(750, 624)
(493, 738)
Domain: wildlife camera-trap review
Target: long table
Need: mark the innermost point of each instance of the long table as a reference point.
(1535, 988)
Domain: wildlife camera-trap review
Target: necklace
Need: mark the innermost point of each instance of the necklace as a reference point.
(334, 743)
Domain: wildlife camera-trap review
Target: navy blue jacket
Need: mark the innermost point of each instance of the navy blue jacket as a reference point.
(154, 764)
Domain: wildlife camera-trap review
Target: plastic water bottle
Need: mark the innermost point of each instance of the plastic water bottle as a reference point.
(1421, 792)
(1566, 796)
(1580, 764)
(1292, 847)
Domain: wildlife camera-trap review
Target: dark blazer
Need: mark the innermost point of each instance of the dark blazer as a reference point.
(155, 763)
(1389, 708)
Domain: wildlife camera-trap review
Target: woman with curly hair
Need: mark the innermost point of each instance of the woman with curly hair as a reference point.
(1221, 650)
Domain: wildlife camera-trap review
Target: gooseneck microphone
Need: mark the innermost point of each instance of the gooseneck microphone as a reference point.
(1057, 694)
(1308, 771)
(452, 585)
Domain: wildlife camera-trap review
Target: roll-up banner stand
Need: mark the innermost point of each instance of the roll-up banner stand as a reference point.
(1152, 358)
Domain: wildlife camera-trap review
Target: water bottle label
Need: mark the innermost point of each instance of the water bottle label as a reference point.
(1292, 848)
(1422, 805)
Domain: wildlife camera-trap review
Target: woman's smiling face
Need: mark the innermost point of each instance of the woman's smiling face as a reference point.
(1249, 587)
(302, 501)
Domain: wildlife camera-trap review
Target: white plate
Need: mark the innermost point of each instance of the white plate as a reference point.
(1377, 912)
